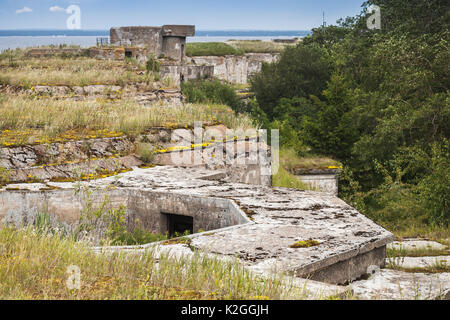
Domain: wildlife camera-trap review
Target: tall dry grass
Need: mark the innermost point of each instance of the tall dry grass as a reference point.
(34, 266)
(258, 46)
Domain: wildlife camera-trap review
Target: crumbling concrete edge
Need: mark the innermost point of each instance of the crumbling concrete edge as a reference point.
(231, 202)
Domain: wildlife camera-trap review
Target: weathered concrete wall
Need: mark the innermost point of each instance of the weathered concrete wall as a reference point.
(187, 72)
(107, 53)
(321, 182)
(54, 153)
(208, 213)
(168, 40)
(178, 30)
(145, 209)
(119, 53)
(236, 69)
(255, 61)
(229, 68)
(348, 270)
(141, 92)
(239, 161)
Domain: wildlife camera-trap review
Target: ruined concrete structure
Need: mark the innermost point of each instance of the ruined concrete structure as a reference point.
(259, 225)
(324, 180)
(240, 160)
(235, 69)
(168, 41)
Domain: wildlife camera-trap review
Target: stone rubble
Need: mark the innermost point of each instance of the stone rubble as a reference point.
(397, 285)
(412, 244)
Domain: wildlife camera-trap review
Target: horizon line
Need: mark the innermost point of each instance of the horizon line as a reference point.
(78, 30)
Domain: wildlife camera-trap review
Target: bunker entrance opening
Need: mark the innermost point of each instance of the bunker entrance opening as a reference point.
(177, 224)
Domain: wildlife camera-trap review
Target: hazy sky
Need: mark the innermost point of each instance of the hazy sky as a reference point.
(205, 14)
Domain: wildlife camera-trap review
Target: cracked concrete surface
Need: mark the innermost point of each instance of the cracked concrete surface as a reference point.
(415, 244)
(273, 220)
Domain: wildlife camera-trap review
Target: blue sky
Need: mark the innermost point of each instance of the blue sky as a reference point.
(205, 14)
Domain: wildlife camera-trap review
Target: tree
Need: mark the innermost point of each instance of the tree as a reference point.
(301, 71)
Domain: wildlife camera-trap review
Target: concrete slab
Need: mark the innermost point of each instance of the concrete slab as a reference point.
(261, 224)
(397, 285)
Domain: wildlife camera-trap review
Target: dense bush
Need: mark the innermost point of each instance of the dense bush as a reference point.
(376, 100)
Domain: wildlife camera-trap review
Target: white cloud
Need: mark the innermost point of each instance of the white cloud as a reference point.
(57, 9)
(25, 9)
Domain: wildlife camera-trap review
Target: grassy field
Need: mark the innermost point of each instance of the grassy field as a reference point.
(20, 70)
(257, 46)
(26, 119)
(35, 266)
(233, 48)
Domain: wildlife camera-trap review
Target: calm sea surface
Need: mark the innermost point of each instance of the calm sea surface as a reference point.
(32, 38)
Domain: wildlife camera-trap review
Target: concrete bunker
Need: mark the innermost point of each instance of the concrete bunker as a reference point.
(168, 41)
(157, 212)
(256, 224)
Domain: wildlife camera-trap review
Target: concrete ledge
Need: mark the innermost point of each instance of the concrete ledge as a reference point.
(348, 270)
(347, 241)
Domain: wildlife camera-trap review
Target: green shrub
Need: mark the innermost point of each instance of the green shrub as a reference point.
(206, 91)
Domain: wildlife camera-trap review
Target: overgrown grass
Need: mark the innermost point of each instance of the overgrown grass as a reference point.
(395, 263)
(256, 46)
(25, 119)
(20, 70)
(418, 252)
(284, 179)
(34, 266)
(211, 49)
(291, 161)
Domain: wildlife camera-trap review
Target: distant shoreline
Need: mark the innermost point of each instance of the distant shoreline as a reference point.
(199, 33)
(12, 39)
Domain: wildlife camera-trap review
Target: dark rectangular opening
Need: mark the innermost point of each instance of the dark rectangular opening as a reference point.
(128, 54)
(177, 224)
